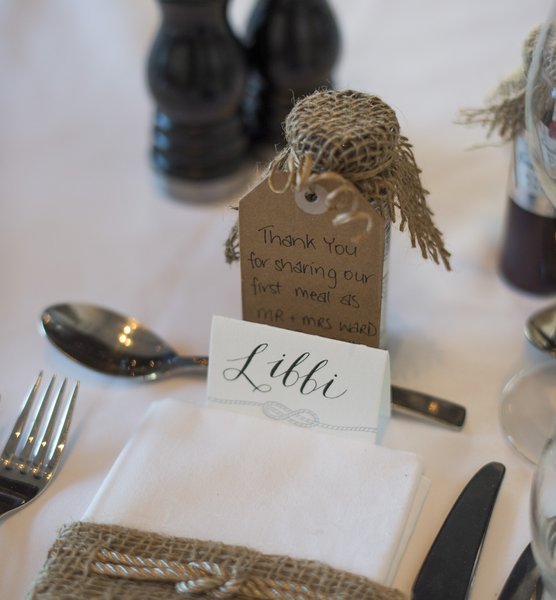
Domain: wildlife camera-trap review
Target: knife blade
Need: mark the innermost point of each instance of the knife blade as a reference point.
(428, 407)
(448, 569)
(524, 580)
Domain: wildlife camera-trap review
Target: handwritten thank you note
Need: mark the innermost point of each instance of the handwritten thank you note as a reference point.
(301, 272)
(305, 380)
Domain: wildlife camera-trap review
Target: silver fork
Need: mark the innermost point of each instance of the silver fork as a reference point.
(33, 450)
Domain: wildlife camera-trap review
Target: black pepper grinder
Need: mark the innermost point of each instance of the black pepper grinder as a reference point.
(197, 72)
(292, 48)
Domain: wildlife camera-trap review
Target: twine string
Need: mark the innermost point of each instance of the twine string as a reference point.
(193, 579)
(300, 177)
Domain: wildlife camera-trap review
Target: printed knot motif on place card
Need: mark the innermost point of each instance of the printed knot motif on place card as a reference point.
(313, 235)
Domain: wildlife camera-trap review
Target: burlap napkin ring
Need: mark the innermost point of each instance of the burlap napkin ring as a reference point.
(352, 141)
(93, 560)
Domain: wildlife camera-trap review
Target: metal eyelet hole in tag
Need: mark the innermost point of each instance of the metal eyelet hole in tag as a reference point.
(312, 200)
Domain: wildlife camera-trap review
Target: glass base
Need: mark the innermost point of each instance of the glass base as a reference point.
(528, 409)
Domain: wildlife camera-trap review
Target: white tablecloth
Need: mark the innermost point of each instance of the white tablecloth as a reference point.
(82, 219)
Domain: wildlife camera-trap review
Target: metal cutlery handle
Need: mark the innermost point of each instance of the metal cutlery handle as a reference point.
(524, 581)
(448, 569)
(429, 407)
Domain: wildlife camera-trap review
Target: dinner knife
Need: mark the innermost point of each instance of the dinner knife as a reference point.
(448, 569)
(524, 581)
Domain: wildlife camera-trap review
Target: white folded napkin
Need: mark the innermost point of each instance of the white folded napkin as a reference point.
(206, 473)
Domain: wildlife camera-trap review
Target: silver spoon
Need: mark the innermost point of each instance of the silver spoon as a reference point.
(540, 329)
(119, 345)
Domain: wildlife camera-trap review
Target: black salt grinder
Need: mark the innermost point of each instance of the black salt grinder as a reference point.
(197, 74)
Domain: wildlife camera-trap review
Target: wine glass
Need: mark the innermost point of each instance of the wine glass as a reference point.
(528, 408)
(543, 518)
(540, 97)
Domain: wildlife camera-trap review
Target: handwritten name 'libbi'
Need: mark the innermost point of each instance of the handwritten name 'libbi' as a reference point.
(257, 371)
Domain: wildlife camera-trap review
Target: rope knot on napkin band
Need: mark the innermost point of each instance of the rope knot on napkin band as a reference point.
(196, 578)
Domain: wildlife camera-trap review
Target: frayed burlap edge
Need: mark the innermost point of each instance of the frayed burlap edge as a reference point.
(504, 113)
(69, 569)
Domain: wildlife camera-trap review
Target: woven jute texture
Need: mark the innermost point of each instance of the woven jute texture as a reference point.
(352, 141)
(504, 110)
(69, 572)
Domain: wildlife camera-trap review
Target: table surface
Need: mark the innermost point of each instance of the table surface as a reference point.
(83, 219)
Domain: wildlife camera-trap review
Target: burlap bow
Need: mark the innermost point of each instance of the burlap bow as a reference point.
(352, 141)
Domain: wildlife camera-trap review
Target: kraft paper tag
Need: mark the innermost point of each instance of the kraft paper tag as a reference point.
(301, 272)
(305, 380)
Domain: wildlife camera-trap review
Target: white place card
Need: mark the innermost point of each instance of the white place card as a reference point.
(306, 380)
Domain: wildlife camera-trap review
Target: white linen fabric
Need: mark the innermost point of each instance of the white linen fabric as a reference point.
(212, 474)
(82, 220)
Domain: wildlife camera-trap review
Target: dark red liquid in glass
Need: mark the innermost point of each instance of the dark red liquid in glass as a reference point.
(528, 259)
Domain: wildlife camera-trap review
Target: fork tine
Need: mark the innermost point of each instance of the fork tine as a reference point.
(15, 435)
(38, 459)
(26, 452)
(62, 436)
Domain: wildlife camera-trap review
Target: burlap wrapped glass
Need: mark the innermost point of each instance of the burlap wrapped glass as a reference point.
(353, 140)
